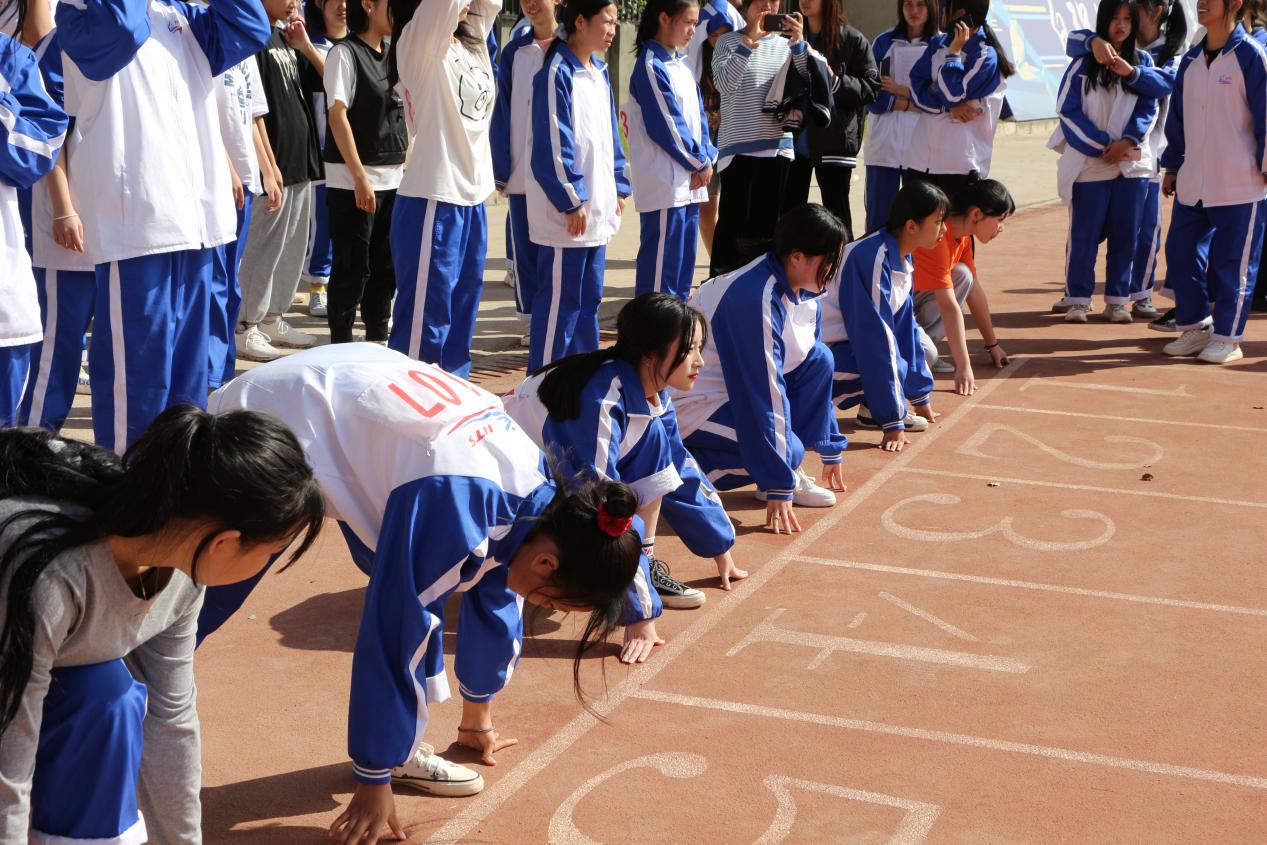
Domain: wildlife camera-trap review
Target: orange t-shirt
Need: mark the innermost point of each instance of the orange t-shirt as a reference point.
(933, 266)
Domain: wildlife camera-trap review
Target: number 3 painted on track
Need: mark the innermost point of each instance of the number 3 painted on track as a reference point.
(1003, 526)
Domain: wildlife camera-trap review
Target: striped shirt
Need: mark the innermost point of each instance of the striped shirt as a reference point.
(743, 77)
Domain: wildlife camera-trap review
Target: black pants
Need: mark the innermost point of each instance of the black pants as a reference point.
(833, 184)
(950, 183)
(361, 272)
(748, 210)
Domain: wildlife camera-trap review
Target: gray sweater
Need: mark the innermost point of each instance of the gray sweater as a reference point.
(86, 613)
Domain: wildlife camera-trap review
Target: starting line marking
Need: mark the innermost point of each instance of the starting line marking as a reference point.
(474, 812)
(1050, 752)
(1001, 479)
(1142, 420)
(929, 618)
(1036, 585)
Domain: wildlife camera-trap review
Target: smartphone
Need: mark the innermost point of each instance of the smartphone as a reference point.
(773, 23)
(967, 20)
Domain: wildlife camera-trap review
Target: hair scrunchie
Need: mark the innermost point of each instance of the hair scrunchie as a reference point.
(613, 526)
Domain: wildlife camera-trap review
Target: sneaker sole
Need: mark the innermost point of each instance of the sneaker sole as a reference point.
(682, 602)
(1071, 317)
(830, 504)
(442, 788)
(1168, 328)
(1235, 356)
(1192, 353)
(259, 359)
(1123, 320)
(281, 344)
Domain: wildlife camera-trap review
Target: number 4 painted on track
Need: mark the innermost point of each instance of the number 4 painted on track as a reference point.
(682, 765)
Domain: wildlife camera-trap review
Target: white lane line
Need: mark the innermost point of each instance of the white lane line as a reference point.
(1036, 585)
(1037, 381)
(487, 802)
(1142, 420)
(1050, 752)
(928, 617)
(857, 620)
(1213, 500)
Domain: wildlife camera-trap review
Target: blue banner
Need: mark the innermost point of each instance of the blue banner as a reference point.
(1033, 33)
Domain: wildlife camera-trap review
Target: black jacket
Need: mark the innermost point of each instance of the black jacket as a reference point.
(857, 83)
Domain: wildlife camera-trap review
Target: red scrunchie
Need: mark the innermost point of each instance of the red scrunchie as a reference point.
(614, 526)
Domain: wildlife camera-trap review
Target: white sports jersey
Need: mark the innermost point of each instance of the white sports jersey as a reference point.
(367, 418)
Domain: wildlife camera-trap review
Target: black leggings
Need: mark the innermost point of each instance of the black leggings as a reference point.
(747, 211)
(361, 272)
(833, 184)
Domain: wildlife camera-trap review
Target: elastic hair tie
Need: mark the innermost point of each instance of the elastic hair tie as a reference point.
(614, 526)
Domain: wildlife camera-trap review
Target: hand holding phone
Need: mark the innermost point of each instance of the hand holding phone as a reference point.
(774, 23)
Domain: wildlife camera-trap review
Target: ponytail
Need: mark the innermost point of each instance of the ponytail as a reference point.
(1174, 25)
(243, 471)
(647, 327)
(980, 10)
(595, 568)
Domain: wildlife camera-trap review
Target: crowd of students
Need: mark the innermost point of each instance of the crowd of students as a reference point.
(217, 156)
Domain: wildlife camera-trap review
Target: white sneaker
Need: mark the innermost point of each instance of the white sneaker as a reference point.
(1221, 352)
(914, 422)
(1077, 313)
(1189, 343)
(525, 342)
(428, 772)
(83, 387)
(281, 333)
(1061, 306)
(509, 280)
(317, 304)
(252, 344)
(807, 494)
(1117, 313)
(943, 365)
(1144, 308)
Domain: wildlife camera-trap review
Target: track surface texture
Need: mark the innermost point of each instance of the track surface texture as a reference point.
(1044, 621)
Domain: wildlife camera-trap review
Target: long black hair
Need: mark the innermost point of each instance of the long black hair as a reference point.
(402, 12)
(813, 230)
(647, 327)
(930, 25)
(832, 27)
(1174, 26)
(243, 471)
(649, 23)
(980, 9)
(916, 201)
(595, 568)
(358, 18)
(1102, 76)
(989, 196)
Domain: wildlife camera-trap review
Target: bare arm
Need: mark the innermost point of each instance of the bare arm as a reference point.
(68, 229)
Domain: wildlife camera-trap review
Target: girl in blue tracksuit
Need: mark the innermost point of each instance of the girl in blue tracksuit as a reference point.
(1163, 27)
(152, 180)
(435, 489)
(958, 87)
(66, 283)
(869, 319)
(30, 139)
(764, 395)
(440, 56)
(608, 413)
(511, 138)
(1215, 163)
(102, 568)
(671, 154)
(893, 116)
(1104, 165)
(578, 187)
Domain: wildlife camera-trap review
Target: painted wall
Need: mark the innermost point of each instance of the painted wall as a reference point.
(1032, 33)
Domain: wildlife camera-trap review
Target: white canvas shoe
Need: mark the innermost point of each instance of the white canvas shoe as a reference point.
(281, 333)
(317, 304)
(426, 771)
(252, 345)
(1189, 343)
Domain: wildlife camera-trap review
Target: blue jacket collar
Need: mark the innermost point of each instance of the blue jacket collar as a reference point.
(566, 52)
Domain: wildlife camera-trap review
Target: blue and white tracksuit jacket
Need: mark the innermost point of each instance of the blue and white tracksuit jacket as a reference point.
(668, 138)
(869, 324)
(436, 489)
(889, 133)
(621, 436)
(1219, 152)
(32, 129)
(941, 80)
(764, 395)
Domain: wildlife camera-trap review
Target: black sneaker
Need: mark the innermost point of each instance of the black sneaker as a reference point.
(1164, 323)
(673, 593)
